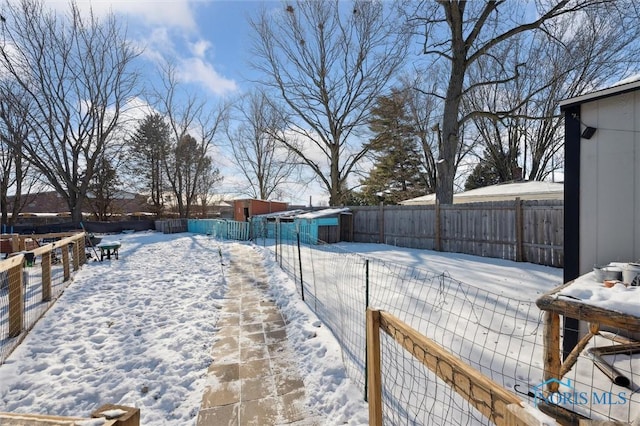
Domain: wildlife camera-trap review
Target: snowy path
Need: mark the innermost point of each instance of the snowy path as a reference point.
(254, 378)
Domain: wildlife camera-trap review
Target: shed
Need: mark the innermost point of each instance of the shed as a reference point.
(246, 208)
(326, 225)
(525, 190)
(602, 180)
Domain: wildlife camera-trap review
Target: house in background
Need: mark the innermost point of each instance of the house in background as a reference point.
(246, 208)
(525, 190)
(52, 203)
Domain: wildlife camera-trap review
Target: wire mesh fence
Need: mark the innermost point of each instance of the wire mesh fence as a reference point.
(499, 336)
(30, 282)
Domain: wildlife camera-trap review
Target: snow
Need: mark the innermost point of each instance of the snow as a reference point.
(619, 298)
(321, 213)
(138, 331)
(527, 190)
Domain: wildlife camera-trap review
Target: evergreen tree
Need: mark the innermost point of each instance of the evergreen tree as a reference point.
(495, 167)
(397, 173)
(103, 188)
(148, 151)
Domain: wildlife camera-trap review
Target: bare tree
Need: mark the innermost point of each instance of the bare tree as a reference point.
(328, 61)
(16, 175)
(520, 121)
(75, 70)
(193, 126)
(586, 53)
(262, 160)
(206, 188)
(464, 35)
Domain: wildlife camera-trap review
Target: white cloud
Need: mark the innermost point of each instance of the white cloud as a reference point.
(172, 13)
(197, 70)
(199, 48)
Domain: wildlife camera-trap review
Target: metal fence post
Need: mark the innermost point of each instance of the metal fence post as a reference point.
(366, 280)
(275, 235)
(300, 266)
(366, 342)
(280, 234)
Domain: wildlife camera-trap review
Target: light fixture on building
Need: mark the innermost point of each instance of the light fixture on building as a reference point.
(588, 132)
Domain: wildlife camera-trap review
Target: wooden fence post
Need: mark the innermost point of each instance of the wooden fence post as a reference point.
(46, 276)
(519, 231)
(551, 340)
(15, 243)
(65, 261)
(374, 377)
(16, 299)
(76, 255)
(82, 250)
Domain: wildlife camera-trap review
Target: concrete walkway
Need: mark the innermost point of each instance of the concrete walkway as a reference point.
(253, 378)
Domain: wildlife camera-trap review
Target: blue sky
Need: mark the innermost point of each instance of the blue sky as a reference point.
(210, 43)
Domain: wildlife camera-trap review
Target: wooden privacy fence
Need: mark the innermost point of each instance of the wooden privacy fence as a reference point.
(171, 226)
(19, 284)
(489, 398)
(524, 231)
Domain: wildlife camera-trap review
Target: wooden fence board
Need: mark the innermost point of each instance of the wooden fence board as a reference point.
(483, 229)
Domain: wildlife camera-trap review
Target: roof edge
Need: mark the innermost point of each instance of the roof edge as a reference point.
(600, 94)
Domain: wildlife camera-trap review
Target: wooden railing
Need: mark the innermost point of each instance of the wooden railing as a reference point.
(15, 267)
(489, 398)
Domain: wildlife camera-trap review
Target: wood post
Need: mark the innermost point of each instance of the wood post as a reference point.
(517, 415)
(46, 276)
(16, 299)
(571, 359)
(76, 255)
(130, 417)
(519, 231)
(551, 339)
(15, 242)
(82, 254)
(65, 261)
(374, 376)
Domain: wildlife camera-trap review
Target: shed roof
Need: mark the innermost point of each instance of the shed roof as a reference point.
(281, 214)
(528, 190)
(322, 213)
(628, 85)
(304, 214)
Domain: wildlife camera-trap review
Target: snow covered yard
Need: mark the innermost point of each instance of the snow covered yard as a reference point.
(134, 331)
(138, 331)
